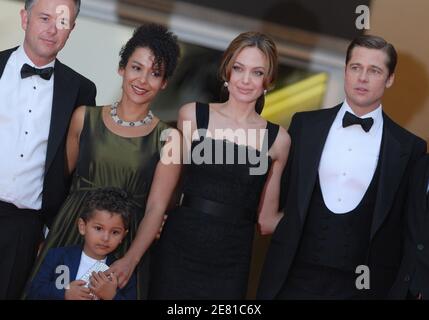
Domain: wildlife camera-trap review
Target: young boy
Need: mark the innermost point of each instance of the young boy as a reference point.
(63, 274)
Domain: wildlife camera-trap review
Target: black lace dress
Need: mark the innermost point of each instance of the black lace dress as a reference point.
(205, 248)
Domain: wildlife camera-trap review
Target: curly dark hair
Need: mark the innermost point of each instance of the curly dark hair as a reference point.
(159, 40)
(113, 200)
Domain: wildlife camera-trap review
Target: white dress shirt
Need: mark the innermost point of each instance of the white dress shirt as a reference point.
(25, 116)
(349, 160)
(86, 263)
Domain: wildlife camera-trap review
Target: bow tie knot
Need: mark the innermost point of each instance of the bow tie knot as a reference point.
(44, 73)
(350, 119)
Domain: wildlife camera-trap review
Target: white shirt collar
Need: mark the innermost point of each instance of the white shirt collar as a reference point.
(376, 114)
(21, 58)
(90, 260)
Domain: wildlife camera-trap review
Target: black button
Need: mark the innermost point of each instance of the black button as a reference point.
(407, 278)
(420, 247)
(34, 88)
(26, 132)
(29, 110)
(22, 156)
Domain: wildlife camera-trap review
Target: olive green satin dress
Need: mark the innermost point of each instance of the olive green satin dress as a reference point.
(108, 160)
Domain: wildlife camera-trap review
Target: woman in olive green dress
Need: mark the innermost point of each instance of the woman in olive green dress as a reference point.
(120, 146)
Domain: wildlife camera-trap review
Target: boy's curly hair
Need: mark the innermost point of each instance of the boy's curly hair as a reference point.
(113, 200)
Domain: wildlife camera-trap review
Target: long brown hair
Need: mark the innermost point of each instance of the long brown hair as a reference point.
(263, 43)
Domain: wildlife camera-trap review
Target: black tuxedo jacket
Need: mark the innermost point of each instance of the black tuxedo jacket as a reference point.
(308, 131)
(70, 91)
(417, 236)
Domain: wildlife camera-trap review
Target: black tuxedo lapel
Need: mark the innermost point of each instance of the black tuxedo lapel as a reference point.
(65, 93)
(313, 137)
(422, 187)
(418, 194)
(3, 60)
(72, 260)
(394, 159)
(4, 57)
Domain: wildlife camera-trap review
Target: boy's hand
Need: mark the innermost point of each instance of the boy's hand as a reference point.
(103, 286)
(78, 291)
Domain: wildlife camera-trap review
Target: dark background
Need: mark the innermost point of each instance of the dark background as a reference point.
(329, 17)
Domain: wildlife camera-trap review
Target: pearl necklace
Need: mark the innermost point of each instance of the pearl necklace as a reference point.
(114, 114)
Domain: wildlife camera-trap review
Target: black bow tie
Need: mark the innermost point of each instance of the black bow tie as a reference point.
(350, 119)
(28, 71)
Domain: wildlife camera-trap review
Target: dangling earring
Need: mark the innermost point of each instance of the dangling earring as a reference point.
(265, 92)
(225, 84)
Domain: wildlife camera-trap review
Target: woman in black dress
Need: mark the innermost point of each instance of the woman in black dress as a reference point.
(232, 175)
(233, 161)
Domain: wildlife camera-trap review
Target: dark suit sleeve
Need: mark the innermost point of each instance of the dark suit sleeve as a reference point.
(87, 94)
(418, 153)
(285, 180)
(419, 149)
(43, 285)
(413, 216)
(129, 292)
(413, 195)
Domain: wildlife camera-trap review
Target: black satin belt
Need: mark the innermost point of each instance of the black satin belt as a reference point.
(218, 209)
(9, 209)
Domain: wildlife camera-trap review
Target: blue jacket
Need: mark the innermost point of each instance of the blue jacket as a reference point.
(43, 285)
